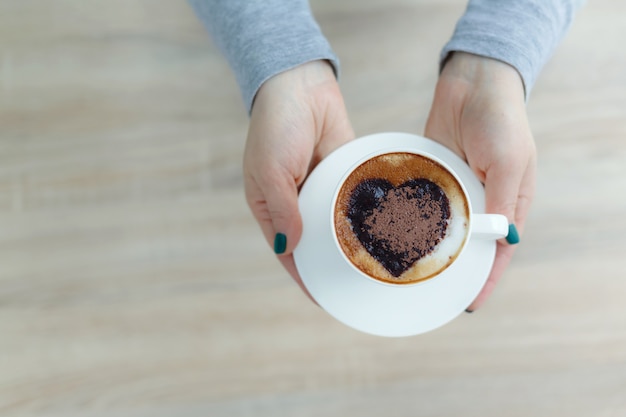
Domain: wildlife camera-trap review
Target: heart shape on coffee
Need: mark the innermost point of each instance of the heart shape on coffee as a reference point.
(399, 225)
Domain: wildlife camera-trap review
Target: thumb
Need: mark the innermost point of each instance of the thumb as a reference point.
(502, 184)
(509, 188)
(273, 199)
(282, 205)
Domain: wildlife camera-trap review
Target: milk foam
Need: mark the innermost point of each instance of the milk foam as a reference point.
(448, 249)
(398, 168)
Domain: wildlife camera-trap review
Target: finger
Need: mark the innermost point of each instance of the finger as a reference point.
(290, 265)
(263, 216)
(504, 254)
(273, 199)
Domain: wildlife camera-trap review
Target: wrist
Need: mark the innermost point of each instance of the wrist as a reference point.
(308, 74)
(476, 72)
(298, 83)
(320, 69)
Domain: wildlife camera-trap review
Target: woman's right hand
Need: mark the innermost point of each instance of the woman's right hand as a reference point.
(479, 112)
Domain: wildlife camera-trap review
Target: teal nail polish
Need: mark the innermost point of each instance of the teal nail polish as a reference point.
(280, 243)
(513, 237)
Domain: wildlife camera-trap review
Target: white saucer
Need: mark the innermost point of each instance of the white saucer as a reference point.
(365, 304)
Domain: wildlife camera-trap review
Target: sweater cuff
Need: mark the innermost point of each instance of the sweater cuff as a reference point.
(262, 38)
(265, 67)
(521, 33)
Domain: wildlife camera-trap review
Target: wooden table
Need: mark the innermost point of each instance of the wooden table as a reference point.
(135, 282)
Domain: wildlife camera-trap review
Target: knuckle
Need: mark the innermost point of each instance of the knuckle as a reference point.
(507, 209)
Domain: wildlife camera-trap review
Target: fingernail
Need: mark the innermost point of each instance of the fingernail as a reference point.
(469, 311)
(513, 237)
(280, 243)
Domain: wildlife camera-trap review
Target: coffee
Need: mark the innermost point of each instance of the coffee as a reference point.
(401, 217)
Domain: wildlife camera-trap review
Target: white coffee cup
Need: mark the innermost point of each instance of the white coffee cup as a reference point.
(370, 305)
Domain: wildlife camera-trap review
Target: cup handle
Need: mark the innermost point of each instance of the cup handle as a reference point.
(489, 226)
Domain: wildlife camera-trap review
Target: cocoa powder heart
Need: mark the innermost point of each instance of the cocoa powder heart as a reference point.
(398, 225)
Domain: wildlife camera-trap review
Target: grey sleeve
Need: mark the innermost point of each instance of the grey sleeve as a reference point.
(261, 38)
(522, 33)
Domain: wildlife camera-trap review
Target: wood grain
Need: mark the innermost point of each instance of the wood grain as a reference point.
(134, 281)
